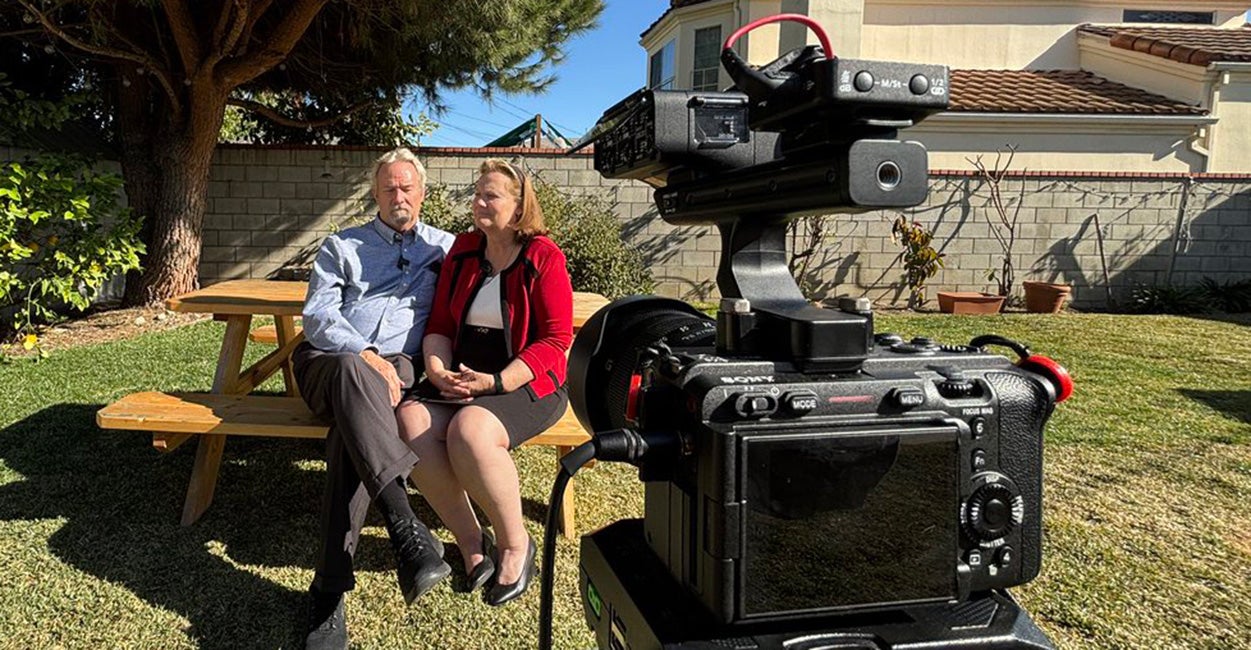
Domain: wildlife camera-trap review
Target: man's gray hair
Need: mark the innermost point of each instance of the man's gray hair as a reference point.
(399, 154)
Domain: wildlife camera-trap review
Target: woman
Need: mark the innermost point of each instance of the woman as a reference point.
(494, 352)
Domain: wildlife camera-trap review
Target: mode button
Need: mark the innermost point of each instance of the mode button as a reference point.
(799, 402)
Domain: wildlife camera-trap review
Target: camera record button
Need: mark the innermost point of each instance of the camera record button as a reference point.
(864, 81)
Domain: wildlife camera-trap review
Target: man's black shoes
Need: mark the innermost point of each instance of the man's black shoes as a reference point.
(420, 557)
(327, 625)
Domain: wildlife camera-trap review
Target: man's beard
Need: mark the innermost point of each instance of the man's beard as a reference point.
(401, 217)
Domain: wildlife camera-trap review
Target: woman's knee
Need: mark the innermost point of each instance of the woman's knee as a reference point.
(415, 421)
(476, 431)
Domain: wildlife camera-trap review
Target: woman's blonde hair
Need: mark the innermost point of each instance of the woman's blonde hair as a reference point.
(530, 223)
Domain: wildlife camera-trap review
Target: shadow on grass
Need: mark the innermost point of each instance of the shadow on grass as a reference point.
(120, 502)
(1234, 404)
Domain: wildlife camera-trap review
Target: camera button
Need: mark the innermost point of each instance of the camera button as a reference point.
(864, 81)
(907, 398)
(800, 402)
(754, 405)
(979, 459)
(1004, 556)
(977, 426)
(974, 559)
(919, 85)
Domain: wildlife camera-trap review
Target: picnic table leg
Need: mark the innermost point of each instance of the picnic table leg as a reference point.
(567, 527)
(208, 454)
(285, 326)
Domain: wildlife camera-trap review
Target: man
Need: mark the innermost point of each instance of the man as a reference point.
(364, 316)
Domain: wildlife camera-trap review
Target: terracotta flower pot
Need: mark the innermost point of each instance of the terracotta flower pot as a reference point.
(969, 302)
(1046, 297)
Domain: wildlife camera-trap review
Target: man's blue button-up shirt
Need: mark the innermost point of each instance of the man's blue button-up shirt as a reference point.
(372, 287)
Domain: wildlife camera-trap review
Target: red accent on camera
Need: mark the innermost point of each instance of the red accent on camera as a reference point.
(1051, 370)
(632, 398)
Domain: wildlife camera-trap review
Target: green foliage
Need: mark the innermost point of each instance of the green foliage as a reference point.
(588, 232)
(444, 211)
(1231, 297)
(1167, 299)
(921, 261)
(63, 234)
(585, 228)
(383, 123)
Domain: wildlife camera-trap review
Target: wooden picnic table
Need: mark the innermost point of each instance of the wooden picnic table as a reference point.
(236, 302)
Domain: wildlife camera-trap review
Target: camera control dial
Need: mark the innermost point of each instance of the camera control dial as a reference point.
(993, 510)
(955, 384)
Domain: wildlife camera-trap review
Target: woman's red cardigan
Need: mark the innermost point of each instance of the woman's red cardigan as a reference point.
(536, 299)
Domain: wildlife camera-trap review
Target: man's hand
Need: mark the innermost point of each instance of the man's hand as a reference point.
(388, 373)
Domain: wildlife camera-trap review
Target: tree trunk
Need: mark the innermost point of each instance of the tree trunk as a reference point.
(167, 172)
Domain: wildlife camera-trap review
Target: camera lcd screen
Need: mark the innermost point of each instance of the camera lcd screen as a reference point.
(840, 519)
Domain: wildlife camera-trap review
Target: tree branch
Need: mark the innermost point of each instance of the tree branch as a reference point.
(274, 116)
(225, 41)
(185, 37)
(278, 44)
(158, 71)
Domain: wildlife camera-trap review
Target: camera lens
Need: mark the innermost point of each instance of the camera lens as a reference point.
(888, 175)
(604, 354)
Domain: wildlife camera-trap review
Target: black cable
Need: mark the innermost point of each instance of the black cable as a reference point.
(995, 339)
(569, 465)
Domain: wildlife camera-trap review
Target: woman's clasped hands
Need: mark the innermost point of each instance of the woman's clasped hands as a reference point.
(463, 383)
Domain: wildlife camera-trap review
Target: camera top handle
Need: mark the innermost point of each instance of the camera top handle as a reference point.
(836, 153)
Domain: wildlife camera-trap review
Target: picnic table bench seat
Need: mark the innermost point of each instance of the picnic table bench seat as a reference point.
(173, 418)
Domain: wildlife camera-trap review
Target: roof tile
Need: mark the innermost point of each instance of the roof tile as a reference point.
(1055, 91)
(1193, 45)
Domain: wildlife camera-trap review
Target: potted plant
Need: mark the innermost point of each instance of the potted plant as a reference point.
(1046, 297)
(1002, 218)
(969, 302)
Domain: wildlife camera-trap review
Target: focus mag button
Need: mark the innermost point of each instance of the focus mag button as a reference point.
(907, 398)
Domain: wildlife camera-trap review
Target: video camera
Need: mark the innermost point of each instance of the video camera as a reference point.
(806, 480)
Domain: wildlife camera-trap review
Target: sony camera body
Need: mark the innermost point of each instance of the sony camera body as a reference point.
(915, 479)
(798, 466)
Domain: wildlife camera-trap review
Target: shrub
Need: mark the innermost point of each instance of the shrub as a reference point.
(63, 234)
(921, 261)
(1230, 297)
(585, 228)
(444, 211)
(1167, 299)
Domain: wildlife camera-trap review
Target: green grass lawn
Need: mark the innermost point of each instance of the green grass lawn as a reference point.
(1147, 524)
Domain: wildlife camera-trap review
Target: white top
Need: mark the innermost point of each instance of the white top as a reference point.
(485, 310)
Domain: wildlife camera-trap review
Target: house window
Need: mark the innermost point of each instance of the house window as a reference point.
(707, 58)
(1169, 17)
(660, 74)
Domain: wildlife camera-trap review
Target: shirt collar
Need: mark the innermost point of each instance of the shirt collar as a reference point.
(389, 235)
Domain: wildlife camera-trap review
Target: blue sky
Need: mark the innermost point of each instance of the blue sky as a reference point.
(602, 66)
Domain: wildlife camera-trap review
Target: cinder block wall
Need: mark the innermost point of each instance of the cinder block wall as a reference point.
(271, 206)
